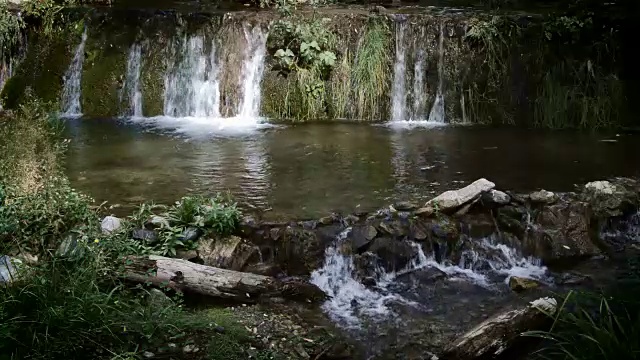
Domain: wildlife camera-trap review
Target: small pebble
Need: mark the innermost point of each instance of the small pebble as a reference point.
(219, 329)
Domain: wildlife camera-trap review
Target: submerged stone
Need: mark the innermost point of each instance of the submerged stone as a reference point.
(519, 284)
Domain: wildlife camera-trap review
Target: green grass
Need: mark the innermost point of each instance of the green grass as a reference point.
(579, 96)
(371, 72)
(592, 326)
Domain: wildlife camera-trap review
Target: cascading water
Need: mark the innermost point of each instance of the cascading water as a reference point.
(192, 97)
(419, 92)
(191, 85)
(131, 87)
(398, 93)
(252, 71)
(72, 82)
(350, 299)
(437, 111)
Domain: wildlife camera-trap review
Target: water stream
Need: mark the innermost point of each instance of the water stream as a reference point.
(72, 90)
(399, 96)
(437, 111)
(131, 87)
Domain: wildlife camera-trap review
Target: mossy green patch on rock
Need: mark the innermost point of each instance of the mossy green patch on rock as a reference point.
(103, 71)
(43, 69)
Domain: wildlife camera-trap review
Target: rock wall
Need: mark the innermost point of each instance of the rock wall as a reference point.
(407, 64)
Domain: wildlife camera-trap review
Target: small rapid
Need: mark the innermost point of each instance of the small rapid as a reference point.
(488, 266)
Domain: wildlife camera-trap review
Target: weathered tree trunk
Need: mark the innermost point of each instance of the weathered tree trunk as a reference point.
(186, 276)
(498, 334)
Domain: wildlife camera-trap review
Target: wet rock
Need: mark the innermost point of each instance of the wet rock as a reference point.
(309, 224)
(495, 198)
(148, 355)
(478, 226)
(513, 219)
(365, 266)
(519, 284)
(274, 234)
(573, 278)
(219, 329)
(186, 254)
(609, 200)
(147, 236)
(110, 224)
(444, 229)
(394, 227)
(369, 281)
(393, 254)
(405, 206)
(361, 236)
(327, 220)
(562, 233)
(542, 197)
(452, 199)
(229, 253)
(425, 211)
(192, 234)
(418, 231)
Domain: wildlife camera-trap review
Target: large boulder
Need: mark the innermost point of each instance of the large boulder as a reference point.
(453, 199)
(562, 232)
(608, 199)
(229, 253)
(110, 224)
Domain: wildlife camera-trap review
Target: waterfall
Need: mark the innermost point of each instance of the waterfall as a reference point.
(350, 299)
(191, 84)
(419, 92)
(252, 71)
(131, 87)
(398, 92)
(72, 82)
(437, 111)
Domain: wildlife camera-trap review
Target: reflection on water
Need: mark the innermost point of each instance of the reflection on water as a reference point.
(308, 171)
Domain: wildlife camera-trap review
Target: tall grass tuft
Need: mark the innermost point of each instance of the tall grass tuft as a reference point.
(592, 326)
(340, 87)
(371, 72)
(579, 96)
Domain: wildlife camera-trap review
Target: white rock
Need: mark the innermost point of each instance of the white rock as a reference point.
(601, 187)
(454, 198)
(542, 197)
(110, 224)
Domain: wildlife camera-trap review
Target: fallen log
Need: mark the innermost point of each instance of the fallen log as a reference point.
(186, 276)
(499, 334)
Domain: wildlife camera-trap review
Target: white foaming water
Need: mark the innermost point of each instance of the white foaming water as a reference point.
(131, 87)
(252, 70)
(204, 127)
(437, 111)
(413, 124)
(398, 93)
(72, 82)
(191, 84)
(350, 299)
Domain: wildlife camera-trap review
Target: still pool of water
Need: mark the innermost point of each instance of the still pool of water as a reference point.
(310, 170)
